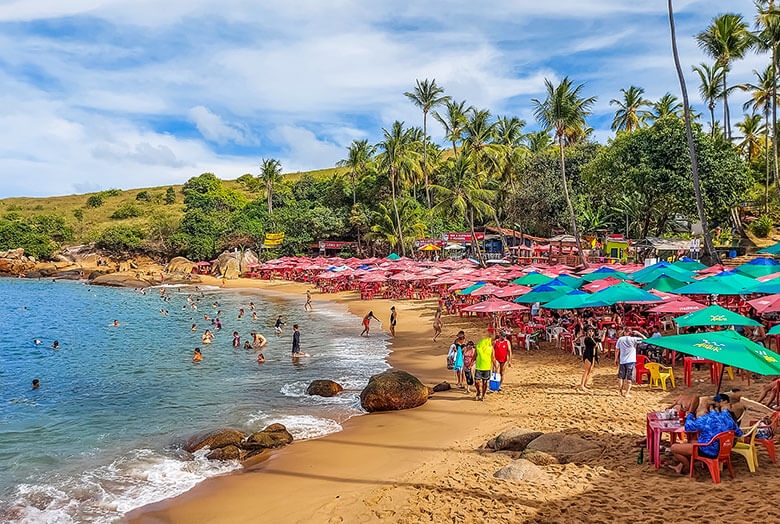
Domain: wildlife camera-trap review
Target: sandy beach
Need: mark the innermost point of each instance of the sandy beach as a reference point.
(427, 464)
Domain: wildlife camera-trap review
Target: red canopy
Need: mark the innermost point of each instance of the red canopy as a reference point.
(487, 289)
(598, 285)
(494, 305)
(681, 305)
(512, 290)
(766, 304)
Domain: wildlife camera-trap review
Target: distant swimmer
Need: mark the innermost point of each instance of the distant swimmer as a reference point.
(241, 314)
(254, 315)
(197, 357)
(307, 306)
(194, 328)
(258, 341)
(367, 323)
(36, 383)
(247, 345)
(218, 324)
(296, 343)
(236, 340)
(215, 304)
(207, 336)
(205, 316)
(252, 306)
(278, 325)
(37, 342)
(260, 358)
(115, 323)
(55, 345)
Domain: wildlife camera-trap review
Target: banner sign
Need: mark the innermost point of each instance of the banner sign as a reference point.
(273, 239)
(334, 245)
(464, 237)
(421, 242)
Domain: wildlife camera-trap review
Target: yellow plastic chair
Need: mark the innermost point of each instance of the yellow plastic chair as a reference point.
(659, 374)
(746, 446)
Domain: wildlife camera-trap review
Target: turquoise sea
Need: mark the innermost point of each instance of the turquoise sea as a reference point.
(102, 434)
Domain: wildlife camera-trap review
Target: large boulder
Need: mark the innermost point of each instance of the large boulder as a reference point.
(274, 436)
(514, 439)
(324, 388)
(247, 257)
(15, 254)
(522, 470)
(393, 389)
(180, 265)
(227, 453)
(216, 439)
(539, 458)
(565, 448)
(118, 280)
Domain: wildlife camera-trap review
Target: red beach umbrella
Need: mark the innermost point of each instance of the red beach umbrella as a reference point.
(494, 305)
(766, 304)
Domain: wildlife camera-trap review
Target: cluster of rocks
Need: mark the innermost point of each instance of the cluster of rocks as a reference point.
(532, 449)
(15, 262)
(230, 444)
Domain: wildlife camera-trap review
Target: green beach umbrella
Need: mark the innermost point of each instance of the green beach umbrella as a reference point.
(774, 331)
(393, 256)
(689, 264)
(543, 294)
(652, 269)
(675, 273)
(714, 316)
(727, 347)
(665, 283)
(572, 300)
(771, 250)
(604, 273)
(720, 284)
(473, 287)
(570, 280)
(534, 278)
(770, 287)
(622, 292)
(759, 267)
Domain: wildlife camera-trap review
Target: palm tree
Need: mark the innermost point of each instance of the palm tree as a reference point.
(750, 128)
(359, 155)
(396, 158)
(667, 105)
(710, 88)
(727, 39)
(564, 109)
(768, 21)
(270, 174)
(426, 96)
(629, 115)
(453, 121)
(709, 248)
(508, 135)
(463, 194)
(385, 229)
(538, 141)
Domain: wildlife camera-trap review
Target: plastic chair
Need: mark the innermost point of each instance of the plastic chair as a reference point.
(641, 370)
(532, 340)
(746, 447)
(726, 442)
(659, 374)
(769, 443)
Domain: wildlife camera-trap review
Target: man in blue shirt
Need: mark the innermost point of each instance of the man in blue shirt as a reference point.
(708, 425)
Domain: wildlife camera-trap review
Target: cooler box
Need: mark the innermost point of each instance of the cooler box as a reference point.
(495, 381)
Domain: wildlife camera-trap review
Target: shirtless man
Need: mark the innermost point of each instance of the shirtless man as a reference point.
(437, 323)
(258, 341)
(688, 403)
(308, 306)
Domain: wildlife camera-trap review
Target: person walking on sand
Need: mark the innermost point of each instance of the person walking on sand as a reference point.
(455, 355)
(366, 323)
(307, 306)
(469, 357)
(393, 320)
(625, 356)
(437, 323)
(484, 364)
(503, 355)
(589, 357)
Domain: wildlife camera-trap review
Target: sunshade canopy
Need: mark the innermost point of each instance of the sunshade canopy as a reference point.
(622, 292)
(543, 293)
(681, 305)
(771, 250)
(494, 305)
(766, 304)
(572, 300)
(714, 316)
(533, 278)
(664, 283)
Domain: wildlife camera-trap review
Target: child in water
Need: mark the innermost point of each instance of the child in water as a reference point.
(236, 340)
(197, 357)
(247, 345)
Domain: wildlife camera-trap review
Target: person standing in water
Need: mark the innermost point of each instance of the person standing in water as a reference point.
(393, 320)
(36, 383)
(197, 357)
(296, 343)
(307, 306)
(366, 323)
(278, 325)
(236, 340)
(258, 341)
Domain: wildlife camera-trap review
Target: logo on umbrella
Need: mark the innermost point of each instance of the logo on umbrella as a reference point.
(718, 318)
(712, 346)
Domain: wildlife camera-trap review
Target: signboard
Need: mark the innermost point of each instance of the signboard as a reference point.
(463, 237)
(273, 239)
(421, 242)
(334, 245)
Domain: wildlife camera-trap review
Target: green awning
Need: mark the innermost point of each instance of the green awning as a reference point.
(573, 300)
(598, 275)
(671, 271)
(689, 265)
(664, 283)
(755, 271)
(771, 250)
(468, 290)
(533, 278)
(622, 292)
(570, 280)
(714, 316)
(543, 294)
(718, 285)
(393, 256)
(727, 347)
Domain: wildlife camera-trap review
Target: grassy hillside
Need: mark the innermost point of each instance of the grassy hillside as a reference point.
(97, 218)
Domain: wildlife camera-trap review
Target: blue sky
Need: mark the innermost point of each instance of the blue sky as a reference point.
(130, 93)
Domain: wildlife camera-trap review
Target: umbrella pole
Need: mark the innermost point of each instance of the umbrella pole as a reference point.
(720, 380)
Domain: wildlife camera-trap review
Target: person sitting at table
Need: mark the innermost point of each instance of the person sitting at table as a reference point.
(708, 425)
(686, 402)
(771, 393)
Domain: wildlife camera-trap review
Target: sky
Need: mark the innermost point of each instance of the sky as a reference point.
(100, 94)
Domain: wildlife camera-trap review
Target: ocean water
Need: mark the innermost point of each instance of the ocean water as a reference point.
(102, 434)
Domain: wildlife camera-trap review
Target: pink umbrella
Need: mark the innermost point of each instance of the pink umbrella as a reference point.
(598, 285)
(512, 290)
(717, 268)
(463, 284)
(766, 304)
(768, 277)
(681, 305)
(664, 295)
(494, 305)
(487, 289)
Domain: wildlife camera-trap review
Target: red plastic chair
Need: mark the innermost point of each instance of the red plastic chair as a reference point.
(726, 441)
(641, 370)
(769, 443)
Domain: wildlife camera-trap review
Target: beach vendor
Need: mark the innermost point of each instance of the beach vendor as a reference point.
(484, 364)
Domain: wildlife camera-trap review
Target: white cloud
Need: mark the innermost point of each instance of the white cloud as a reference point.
(213, 128)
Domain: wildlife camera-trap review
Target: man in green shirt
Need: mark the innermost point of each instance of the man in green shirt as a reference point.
(483, 366)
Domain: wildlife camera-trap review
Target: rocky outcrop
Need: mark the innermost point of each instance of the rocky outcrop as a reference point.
(274, 436)
(118, 280)
(522, 470)
(392, 390)
(216, 439)
(13, 254)
(442, 386)
(514, 439)
(324, 388)
(180, 265)
(226, 453)
(539, 458)
(231, 264)
(14, 262)
(565, 448)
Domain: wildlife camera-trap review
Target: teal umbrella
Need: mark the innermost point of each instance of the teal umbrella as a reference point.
(759, 267)
(573, 300)
(718, 285)
(393, 256)
(714, 316)
(665, 283)
(727, 347)
(622, 292)
(534, 278)
(774, 331)
(771, 250)
(473, 287)
(569, 280)
(770, 287)
(652, 268)
(543, 293)
(689, 264)
(677, 274)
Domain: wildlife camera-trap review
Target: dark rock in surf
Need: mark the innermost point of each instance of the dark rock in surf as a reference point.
(226, 453)
(324, 388)
(216, 439)
(274, 436)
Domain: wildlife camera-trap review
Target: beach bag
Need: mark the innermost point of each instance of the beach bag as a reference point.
(495, 381)
(469, 376)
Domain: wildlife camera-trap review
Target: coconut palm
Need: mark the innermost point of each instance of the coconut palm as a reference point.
(666, 106)
(709, 248)
(453, 120)
(508, 135)
(538, 141)
(726, 40)
(426, 96)
(710, 88)
(359, 155)
(630, 115)
(562, 110)
(270, 174)
(768, 39)
(385, 229)
(751, 130)
(463, 194)
(396, 158)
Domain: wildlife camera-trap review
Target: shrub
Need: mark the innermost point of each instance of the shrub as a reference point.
(95, 200)
(762, 227)
(78, 214)
(143, 195)
(170, 196)
(120, 238)
(127, 210)
(111, 192)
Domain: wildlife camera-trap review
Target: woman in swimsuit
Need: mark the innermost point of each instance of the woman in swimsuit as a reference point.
(589, 357)
(197, 357)
(366, 321)
(207, 336)
(236, 340)
(393, 320)
(437, 323)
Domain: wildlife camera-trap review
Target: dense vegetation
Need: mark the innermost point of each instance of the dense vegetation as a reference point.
(488, 171)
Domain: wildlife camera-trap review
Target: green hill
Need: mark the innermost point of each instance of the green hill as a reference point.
(95, 219)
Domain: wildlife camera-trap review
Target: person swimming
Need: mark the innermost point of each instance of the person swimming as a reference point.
(194, 328)
(241, 314)
(207, 336)
(55, 345)
(252, 306)
(197, 356)
(115, 323)
(236, 339)
(247, 345)
(260, 358)
(36, 383)
(254, 315)
(37, 342)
